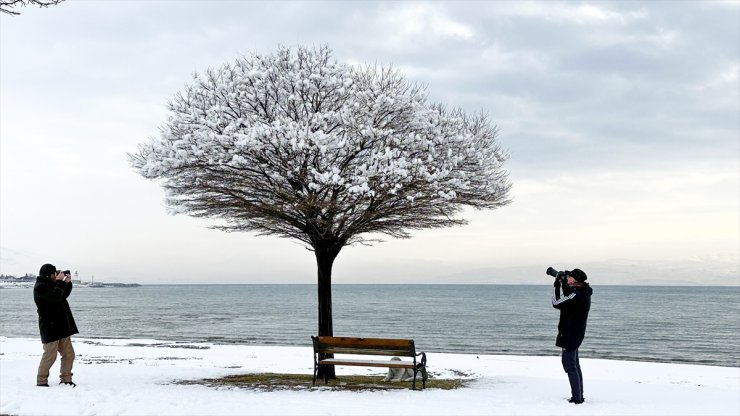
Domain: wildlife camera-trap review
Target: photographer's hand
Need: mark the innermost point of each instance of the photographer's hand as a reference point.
(59, 276)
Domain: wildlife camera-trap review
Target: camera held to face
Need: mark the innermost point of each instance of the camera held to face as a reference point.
(560, 276)
(62, 274)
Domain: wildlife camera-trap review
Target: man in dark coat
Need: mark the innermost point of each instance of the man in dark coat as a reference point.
(574, 305)
(56, 323)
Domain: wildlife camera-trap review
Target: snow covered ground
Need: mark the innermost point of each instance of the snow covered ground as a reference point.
(136, 377)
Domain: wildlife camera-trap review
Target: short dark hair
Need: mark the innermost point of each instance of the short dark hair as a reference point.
(47, 270)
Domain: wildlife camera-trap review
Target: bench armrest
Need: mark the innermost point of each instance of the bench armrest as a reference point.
(423, 362)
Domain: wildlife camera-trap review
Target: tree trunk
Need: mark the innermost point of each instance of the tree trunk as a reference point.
(325, 255)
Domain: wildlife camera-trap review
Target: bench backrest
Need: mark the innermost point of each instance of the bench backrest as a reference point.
(364, 346)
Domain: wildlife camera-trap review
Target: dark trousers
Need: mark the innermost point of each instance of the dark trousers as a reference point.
(572, 366)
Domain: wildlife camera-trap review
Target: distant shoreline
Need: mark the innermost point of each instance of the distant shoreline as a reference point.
(10, 285)
(27, 285)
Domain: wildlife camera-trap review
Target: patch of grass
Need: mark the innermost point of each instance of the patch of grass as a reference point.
(274, 382)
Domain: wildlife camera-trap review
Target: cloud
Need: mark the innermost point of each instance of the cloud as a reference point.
(658, 39)
(570, 13)
(727, 76)
(408, 22)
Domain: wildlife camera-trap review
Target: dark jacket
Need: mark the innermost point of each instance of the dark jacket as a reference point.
(55, 317)
(574, 306)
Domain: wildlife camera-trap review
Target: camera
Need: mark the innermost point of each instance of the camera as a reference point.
(66, 272)
(561, 276)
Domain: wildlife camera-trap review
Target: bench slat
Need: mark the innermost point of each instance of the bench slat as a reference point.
(368, 343)
(358, 351)
(367, 363)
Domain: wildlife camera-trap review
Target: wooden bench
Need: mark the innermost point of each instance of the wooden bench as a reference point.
(323, 346)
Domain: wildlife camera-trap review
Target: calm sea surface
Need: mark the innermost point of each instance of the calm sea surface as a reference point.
(670, 324)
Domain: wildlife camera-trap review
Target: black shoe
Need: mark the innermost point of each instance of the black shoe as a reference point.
(576, 401)
(68, 383)
(43, 385)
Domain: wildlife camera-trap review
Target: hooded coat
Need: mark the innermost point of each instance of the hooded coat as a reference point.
(55, 316)
(574, 306)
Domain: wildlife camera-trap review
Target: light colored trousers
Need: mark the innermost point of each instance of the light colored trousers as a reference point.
(64, 348)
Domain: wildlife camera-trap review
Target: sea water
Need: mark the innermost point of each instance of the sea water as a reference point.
(698, 325)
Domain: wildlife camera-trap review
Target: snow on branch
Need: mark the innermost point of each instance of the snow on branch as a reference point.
(297, 145)
(7, 6)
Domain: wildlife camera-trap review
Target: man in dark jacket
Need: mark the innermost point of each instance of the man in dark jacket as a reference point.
(56, 323)
(574, 305)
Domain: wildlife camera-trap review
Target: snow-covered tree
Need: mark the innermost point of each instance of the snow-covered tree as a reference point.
(297, 145)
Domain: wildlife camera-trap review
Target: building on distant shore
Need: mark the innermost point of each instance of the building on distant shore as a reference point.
(31, 278)
(10, 278)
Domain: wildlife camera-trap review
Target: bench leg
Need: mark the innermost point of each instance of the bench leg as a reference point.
(423, 371)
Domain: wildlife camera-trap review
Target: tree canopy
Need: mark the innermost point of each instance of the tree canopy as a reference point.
(297, 145)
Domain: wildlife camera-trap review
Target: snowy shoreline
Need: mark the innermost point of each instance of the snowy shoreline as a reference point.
(138, 377)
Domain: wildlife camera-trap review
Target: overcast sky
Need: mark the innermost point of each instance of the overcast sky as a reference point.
(622, 120)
